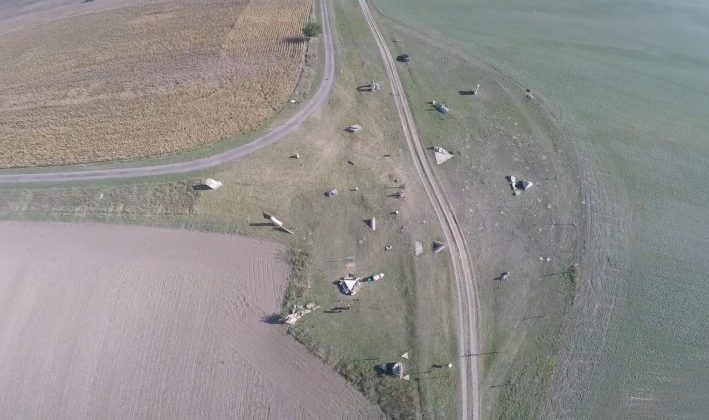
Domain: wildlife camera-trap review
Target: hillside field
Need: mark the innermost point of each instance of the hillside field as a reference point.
(626, 87)
(80, 83)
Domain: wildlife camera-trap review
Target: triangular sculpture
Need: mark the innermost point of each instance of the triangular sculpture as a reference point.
(439, 246)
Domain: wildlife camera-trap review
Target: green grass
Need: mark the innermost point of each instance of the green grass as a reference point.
(298, 284)
(398, 399)
(152, 202)
(627, 83)
(495, 134)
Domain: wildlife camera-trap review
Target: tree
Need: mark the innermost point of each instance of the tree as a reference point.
(312, 29)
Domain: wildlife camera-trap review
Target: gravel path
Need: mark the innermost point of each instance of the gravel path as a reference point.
(462, 265)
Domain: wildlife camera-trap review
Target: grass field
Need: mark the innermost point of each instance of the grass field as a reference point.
(627, 84)
(144, 79)
(409, 310)
(495, 134)
(135, 322)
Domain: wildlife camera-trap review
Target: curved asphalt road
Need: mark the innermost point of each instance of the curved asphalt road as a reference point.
(463, 269)
(312, 105)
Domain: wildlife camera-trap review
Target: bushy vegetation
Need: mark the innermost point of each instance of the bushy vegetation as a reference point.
(397, 398)
(312, 29)
(298, 260)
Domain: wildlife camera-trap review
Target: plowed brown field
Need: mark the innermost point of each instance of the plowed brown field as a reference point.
(107, 321)
(142, 79)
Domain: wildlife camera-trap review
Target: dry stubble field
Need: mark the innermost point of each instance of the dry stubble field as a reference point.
(131, 322)
(79, 83)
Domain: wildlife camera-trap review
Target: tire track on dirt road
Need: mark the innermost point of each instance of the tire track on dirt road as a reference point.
(293, 123)
(462, 266)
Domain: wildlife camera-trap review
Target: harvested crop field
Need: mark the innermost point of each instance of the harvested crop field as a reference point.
(130, 322)
(83, 84)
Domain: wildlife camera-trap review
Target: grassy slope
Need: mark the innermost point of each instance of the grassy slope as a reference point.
(629, 80)
(495, 134)
(409, 310)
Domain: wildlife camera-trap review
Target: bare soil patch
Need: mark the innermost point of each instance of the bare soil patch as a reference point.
(130, 322)
(143, 79)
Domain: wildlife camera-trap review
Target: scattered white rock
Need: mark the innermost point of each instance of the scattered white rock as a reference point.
(418, 248)
(212, 184)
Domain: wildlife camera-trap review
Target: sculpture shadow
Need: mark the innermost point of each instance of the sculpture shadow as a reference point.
(271, 319)
(380, 369)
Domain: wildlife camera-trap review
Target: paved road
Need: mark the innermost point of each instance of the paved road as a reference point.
(462, 266)
(312, 105)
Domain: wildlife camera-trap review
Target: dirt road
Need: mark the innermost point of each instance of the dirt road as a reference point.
(110, 321)
(462, 265)
(309, 108)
